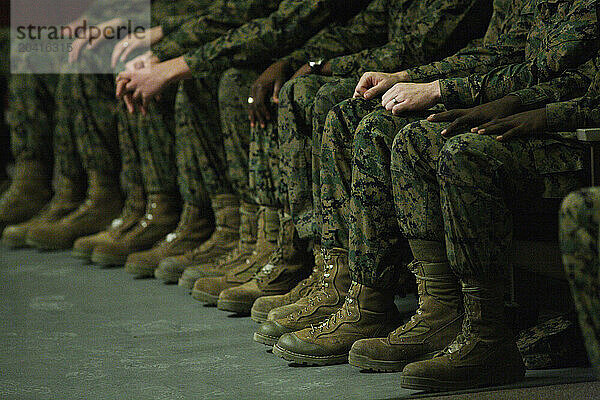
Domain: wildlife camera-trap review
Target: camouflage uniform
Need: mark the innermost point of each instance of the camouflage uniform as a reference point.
(579, 222)
(371, 156)
(255, 44)
(383, 37)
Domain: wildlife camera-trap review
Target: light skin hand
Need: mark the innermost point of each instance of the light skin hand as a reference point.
(132, 42)
(89, 41)
(373, 84)
(148, 82)
(406, 97)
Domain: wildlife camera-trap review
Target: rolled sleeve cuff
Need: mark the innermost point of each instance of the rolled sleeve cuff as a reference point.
(563, 116)
(456, 93)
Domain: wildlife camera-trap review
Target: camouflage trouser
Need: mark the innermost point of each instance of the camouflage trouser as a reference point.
(465, 190)
(31, 115)
(86, 125)
(200, 150)
(303, 107)
(356, 190)
(579, 223)
(248, 170)
(131, 166)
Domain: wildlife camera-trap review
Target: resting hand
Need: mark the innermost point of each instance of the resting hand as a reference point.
(133, 42)
(403, 97)
(373, 84)
(92, 37)
(532, 122)
(266, 86)
(466, 119)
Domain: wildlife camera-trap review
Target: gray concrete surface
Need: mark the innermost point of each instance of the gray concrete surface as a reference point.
(75, 331)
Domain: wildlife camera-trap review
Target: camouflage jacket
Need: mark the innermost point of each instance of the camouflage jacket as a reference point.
(392, 34)
(583, 112)
(484, 54)
(264, 40)
(184, 33)
(165, 11)
(564, 35)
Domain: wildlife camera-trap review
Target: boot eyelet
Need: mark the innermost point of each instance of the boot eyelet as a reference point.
(153, 205)
(144, 224)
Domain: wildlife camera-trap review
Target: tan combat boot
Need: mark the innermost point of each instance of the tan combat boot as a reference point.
(265, 307)
(102, 204)
(483, 354)
(435, 324)
(223, 240)
(27, 194)
(243, 250)
(193, 229)
(67, 197)
(208, 289)
(161, 217)
(323, 300)
(132, 212)
(289, 264)
(366, 313)
(303, 289)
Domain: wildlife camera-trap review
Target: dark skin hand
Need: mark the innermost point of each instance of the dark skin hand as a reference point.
(268, 85)
(467, 119)
(533, 122)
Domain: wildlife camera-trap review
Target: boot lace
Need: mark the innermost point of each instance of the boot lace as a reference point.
(316, 295)
(339, 315)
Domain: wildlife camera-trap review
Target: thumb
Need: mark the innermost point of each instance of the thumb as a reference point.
(276, 89)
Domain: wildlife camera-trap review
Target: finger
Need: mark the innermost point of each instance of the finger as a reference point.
(374, 91)
(276, 89)
(446, 116)
(392, 103)
(497, 129)
(485, 126)
(121, 88)
(131, 86)
(263, 115)
(511, 133)
(115, 54)
(137, 95)
(458, 124)
(401, 107)
(252, 116)
(126, 53)
(129, 103)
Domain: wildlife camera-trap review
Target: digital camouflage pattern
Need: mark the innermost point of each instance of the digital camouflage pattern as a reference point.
(392, 35)
(356, 191)
(303, 106)
(465, 189)
(562, 35)
(262, 41)
(579, 222)
(555, 343)
(184, 33)
(385, 36)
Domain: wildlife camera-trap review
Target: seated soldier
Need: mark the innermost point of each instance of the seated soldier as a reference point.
(579, 223)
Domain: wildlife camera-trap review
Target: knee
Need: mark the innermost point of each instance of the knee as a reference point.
(466, 155)
(572, 209)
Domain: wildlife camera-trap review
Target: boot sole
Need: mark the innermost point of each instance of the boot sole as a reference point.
(258, 316)
(237, 307)
(435, 385)
(43, 246)
(307, 360)
(167, 276)
(81, 254)
(107, 260)
(369, 364)
(207, 298)
(265, 339)
(139, 271)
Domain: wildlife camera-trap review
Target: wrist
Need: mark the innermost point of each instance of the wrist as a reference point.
(401, 76)
(176, 70)
(436, 91)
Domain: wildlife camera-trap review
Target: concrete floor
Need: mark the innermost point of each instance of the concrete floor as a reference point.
(74, 331)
